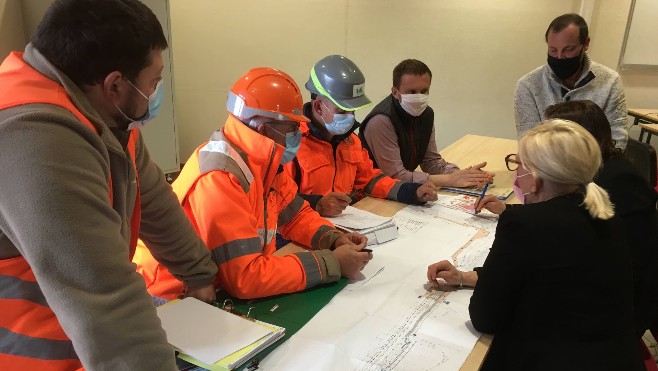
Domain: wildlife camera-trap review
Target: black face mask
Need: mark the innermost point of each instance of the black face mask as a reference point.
(565, 68)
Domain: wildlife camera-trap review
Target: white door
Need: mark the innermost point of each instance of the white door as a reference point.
(160, 134)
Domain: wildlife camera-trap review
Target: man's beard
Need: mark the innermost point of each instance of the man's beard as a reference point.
(130, 110)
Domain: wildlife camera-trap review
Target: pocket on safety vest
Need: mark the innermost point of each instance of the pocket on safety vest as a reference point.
(350, 160)
(317, 171)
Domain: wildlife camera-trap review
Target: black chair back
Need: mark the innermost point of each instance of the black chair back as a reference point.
(643, 157)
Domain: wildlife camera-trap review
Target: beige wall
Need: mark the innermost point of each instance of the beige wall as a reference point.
(11, 27)
(607, 32)
(33, 11)
(477, 49)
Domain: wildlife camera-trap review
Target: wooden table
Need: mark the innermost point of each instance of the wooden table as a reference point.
(473, 149)
(467, 151)
(648, 121)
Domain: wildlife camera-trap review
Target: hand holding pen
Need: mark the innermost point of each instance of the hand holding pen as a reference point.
(484, 191)
(333, 204)
(352, 257)
(491, 203)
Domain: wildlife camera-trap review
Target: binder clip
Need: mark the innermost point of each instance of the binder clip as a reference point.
(229, 307)
(253, 365)
(246, 316)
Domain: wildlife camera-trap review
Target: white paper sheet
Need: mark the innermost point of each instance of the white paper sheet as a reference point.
(354, 218)
(370, 271)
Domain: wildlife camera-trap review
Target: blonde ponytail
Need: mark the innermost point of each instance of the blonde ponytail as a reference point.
(565, 154)
(597, 202)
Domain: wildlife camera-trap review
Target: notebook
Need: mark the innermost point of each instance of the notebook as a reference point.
(236, 359)
(378, 229)
(214, 338)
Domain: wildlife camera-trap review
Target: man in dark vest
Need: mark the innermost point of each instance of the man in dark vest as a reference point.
(331, 168)
(399, 133)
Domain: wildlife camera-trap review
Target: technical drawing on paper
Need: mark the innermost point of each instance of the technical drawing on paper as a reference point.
(403, 347)
(464, 203)
(409, 225)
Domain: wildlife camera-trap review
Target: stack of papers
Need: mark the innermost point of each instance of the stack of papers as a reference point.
(502, 193)
(214, 338)
(378, 229)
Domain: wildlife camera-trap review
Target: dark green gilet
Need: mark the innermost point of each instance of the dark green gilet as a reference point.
(413, 132)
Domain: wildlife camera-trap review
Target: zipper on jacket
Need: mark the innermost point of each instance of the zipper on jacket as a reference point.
(265, 196)
(413, 143)
(333, 183)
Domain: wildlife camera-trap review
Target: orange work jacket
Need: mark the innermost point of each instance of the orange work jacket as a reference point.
(236, 197)
(319, 169)
(26, 320)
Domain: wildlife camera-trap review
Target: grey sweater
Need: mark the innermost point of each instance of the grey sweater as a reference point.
(54, 212)
(541, 88)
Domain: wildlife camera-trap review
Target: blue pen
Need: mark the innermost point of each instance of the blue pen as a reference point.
(484, 190)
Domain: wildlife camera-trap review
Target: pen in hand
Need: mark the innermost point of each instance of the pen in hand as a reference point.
(484, 190)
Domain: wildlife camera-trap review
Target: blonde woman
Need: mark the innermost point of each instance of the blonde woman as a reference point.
(555, 287)
(635, 205)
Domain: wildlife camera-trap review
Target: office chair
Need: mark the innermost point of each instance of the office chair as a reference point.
(643, 157)
(647, 358)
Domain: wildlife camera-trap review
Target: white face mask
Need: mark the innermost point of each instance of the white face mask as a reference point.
(414, 104)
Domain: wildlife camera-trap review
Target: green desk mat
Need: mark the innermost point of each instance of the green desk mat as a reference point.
(293, 311)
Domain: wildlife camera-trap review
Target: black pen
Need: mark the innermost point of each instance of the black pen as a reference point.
(484, 190)
(366, 250)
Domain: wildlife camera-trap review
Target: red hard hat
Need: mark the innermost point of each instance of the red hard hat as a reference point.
(266, 92)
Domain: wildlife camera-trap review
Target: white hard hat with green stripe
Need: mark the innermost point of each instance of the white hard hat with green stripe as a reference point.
(339, 79)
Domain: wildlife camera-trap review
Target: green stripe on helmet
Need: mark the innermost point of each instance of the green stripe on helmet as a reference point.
(324, 93)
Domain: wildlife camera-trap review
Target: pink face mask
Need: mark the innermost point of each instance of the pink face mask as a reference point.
(517, 190)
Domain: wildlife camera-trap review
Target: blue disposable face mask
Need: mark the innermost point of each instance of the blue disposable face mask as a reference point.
(155, 102)
(341, 124)
(293, 141)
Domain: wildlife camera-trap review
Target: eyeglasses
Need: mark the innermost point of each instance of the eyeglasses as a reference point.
(287, 127)
(340, 111)
(511, 162)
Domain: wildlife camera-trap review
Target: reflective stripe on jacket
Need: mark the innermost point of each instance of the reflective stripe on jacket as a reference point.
(345, 170)
(31, 337)
(234, 194)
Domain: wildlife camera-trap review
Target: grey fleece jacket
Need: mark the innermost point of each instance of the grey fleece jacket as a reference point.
(541, 88)
(54, 212)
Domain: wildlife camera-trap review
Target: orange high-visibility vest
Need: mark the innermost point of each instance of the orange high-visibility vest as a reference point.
(236, 205)
(319, 168)
(37, 340)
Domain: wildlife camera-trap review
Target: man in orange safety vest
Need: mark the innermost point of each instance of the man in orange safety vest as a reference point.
(237, 195)
(77, 189)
